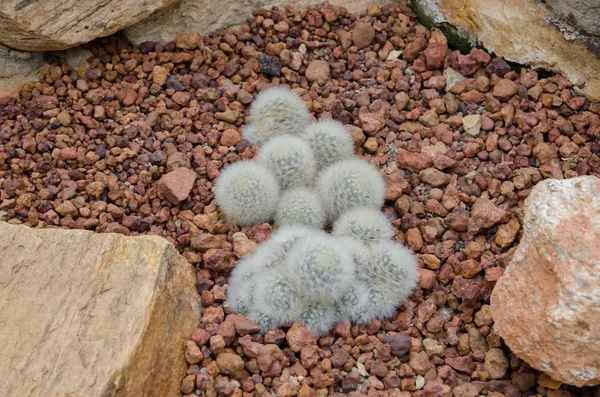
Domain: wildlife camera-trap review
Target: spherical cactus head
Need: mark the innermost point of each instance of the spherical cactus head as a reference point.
(318, 315)
(321, 266)
(290, 159)
(300, 206)
(242, 285)
(365, 224)
(247, 193)
(331, 142)
(352, 303)
(392, 268)
(276, 301)
(349, 184)
(277, 110)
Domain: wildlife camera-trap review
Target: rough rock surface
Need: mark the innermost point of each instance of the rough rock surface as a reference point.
(93, 314)
(207, 16)
(545, 306)
(498, 26)
(583, 13)
(35, 25)
(17, 68)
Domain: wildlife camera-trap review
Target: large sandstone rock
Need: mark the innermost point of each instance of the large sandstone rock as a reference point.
(582, 13)
(207, 16)
(499, 27)
(545, 306)
(95, 315)
(17, 68)
(35, 25)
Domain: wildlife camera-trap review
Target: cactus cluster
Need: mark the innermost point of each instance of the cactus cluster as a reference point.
(305, 178)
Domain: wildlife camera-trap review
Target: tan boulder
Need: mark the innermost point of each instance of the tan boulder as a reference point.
(61, 24)
(545, 306)
(207, 16)
(93, 315)
(500, 27)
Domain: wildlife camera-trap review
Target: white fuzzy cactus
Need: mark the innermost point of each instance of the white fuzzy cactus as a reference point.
(290, 159)
(379, 305)
(275, 302)
(321, 266)
(365, 224)
(242, 285)
(319, 316)
(330, 141)
(271, 255)
(276, 110)
(349, 184)
(353, 302)
(391, 267)
(247, 193)
(300, 206)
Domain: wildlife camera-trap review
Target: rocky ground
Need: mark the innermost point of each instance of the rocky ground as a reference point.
(460, 138)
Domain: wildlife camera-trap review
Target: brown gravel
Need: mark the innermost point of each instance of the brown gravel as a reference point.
(87, 149)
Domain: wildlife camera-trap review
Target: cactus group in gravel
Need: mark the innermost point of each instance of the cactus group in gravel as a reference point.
(304, 178)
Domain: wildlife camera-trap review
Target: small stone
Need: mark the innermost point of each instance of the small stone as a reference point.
(193, 355)
(363, 34)
(182, 98)
(472, 124)
(484, 215)
(270, 65)
(497, 66)
(496, 363)
(69, 153)
(419, 362)
(452, 78)
(29, 144)
(230, 137)
(242, 245)
(434, 177)
(462, 364)
(230, 364)
(188, 384)
(219, 260)
(229, 115)
(299, 336)
(174, 83)
(318, 71)
(245, 327)
(433, 348)
(159, 75)
(505, 89)
(176, 185)
(188, 41)
(507, 233)
(67, 208)
(416, 161)
(95, 96)
(467, 390)
(205, 241)
(400, 343)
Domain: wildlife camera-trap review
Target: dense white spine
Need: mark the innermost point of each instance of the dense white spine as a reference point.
(247, 193)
